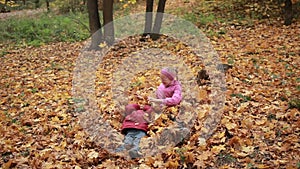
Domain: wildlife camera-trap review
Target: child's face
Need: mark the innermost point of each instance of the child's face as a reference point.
(166, 81)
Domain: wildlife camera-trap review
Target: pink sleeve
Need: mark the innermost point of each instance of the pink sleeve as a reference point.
(159, 92)
(175, 99)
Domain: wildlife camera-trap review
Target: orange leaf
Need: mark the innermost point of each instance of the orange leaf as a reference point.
(7, 164)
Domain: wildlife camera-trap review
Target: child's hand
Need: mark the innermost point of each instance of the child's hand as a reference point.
(147, 118)
(154, 100)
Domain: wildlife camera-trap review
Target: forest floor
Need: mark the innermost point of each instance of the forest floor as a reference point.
(259, 127)
(22, 13)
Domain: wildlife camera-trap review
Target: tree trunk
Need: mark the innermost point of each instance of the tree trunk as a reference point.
(48, 5)
(37, 3)
(148, 22)
(288, 12)
(94, 24)
(108, 21)
(158, 19)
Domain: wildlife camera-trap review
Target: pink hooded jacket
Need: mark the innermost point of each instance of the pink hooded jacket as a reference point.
(171, 94)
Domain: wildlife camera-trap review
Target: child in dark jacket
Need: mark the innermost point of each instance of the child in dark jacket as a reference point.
(135, 127)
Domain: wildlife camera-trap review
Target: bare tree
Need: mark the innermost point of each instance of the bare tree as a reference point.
(288, 12)
(154, 32)
(37, 3)
(94, 23)
(48, 5)
(148, 22)
(109, 36)
(158, 19)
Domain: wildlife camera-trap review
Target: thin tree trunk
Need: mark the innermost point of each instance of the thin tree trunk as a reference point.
(94, 24)
(48, 5)
(158, 19)
(149, 16)
(108, 21)
(288, 12)
(37, 3)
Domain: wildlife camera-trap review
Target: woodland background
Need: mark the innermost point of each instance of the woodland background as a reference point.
(260, 123)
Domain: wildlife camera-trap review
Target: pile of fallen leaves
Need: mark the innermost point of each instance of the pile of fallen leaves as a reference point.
(259, 127)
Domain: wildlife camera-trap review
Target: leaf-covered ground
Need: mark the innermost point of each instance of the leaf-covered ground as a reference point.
(259, 127)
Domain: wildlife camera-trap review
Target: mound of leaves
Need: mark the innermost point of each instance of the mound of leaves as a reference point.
(259, 127)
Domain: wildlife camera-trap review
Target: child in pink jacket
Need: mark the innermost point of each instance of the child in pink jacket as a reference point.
(169, 91)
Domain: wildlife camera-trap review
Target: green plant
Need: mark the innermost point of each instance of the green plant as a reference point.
(206, 19)
(69, 6)
(225, 158)
(243, 97)
(3, 53)
(230, 60)
(34, 90)
(250, 165)
(44, 29)
(192, 17)
(180, 152)
(294, 103)
(271, 117)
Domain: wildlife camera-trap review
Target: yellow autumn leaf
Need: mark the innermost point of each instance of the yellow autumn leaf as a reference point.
(230, 125)
(7, 165)
(202, 94)
(242, 108)
(172, 164)
(102, 45)
(261, 121)
(220, 135)
(48, 165)
(201, 141)
(142, 79)
(93, 154)
(158, 164)
(241, 154)
(218, 149)
(144, 166)
(247, 149)
(227, 38)
(262, 166)
(248, 122)
(55, 119)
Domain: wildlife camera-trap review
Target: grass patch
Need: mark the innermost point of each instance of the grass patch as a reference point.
(294, 103)
(3, 53)
(224, 158)
(200, 18)
(242, 97)
(45, 29)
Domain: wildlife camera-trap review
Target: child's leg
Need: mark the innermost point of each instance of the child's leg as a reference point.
(127, 142)
(137, 138)
(134, 151)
